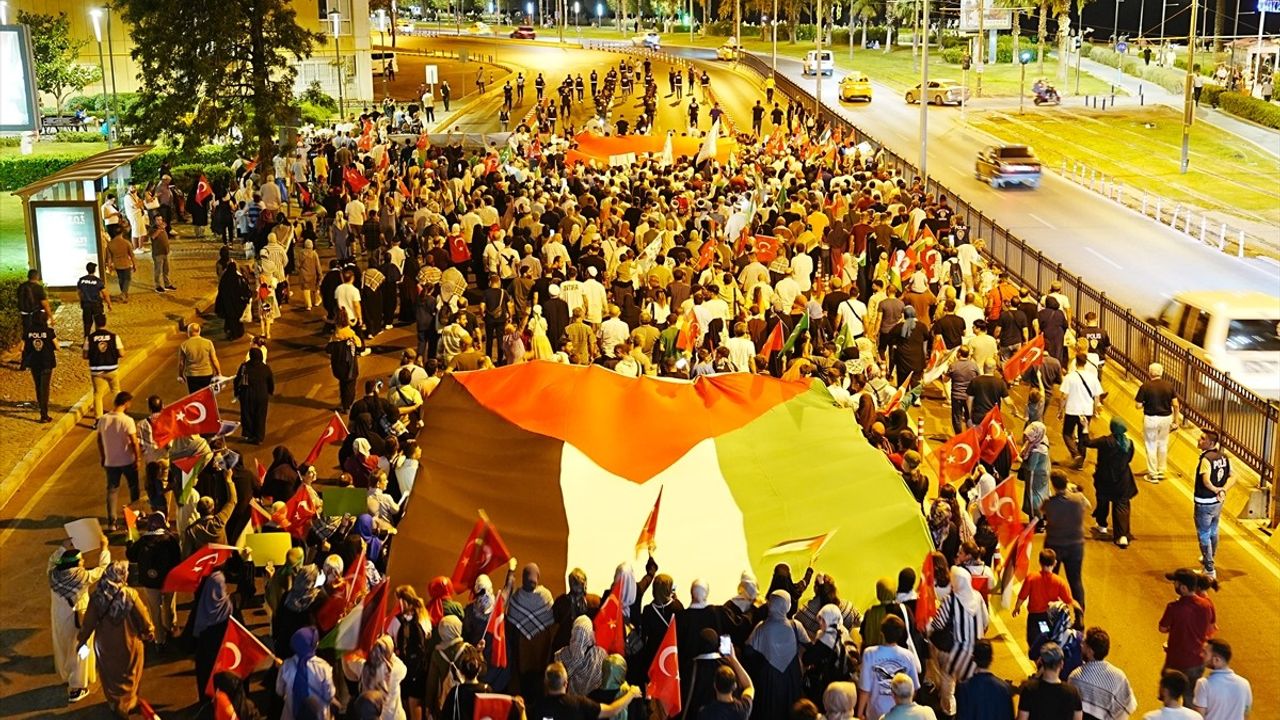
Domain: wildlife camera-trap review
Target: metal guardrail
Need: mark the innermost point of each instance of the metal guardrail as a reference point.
(1192, 221)
(1249, 426)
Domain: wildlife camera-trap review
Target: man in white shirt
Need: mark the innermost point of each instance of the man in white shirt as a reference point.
(614, 331)
(853, 314)
(347, 297)
(1081, 394)
(1104, 689)
(1222, 694)
(594, 297)
(880, 663)
(969, 256)
(753, 274)
(1064, 303)
(785, 294)
(717, 309)
(970, 312)
(356, 212)
(469, 222)
(571, 291)
(802, 268)
(1173, 685)
(742, 351)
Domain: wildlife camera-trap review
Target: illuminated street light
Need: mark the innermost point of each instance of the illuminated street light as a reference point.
(335, 23)
(4, 13)
(96, 15)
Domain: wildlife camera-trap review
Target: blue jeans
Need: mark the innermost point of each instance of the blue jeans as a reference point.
(1207, 516)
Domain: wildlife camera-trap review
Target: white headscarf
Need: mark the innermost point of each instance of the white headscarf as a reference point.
(962, 590)
(624, 578)
(483, 591)
(830, 625)
(698, 594)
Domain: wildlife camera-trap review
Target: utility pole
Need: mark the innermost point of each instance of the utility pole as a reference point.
(1188, 91)
(775, 38)
(924, 100)
(817, 44)
(982, 25)
(737, 22)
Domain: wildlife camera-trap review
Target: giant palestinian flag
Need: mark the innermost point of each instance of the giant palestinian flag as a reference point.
(567, 462)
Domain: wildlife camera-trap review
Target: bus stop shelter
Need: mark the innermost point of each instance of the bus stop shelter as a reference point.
(62, 218)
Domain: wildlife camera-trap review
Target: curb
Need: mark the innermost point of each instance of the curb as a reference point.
(13, 479)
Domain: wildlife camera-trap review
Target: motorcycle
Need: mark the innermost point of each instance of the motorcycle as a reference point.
(1045, 94)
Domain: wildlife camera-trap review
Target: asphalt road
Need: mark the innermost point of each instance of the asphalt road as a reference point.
(1136, 261)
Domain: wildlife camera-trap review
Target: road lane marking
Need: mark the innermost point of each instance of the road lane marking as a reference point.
(1015, 648)
(1101, 257)
(312, 392)
(1044, 222)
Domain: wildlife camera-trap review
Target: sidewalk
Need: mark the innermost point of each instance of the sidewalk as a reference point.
(142, 324)
(1265, 138)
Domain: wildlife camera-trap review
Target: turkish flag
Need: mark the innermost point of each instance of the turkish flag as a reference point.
(374, 618)
(958, 455)
(706, 254)
(650, 529)
(1000, 508)
(1028, 356)
(766, 248)
(258, 515)
(355, 179)
(260, 470)
(610, 633)
(186, 575)
(931, 259)
(490, 164)
(483, 553)
(195, 414)
(774, 342)
(1016, 556)
(341, 600)
(241, 654)
(333, 433)
(992, 435)
(926, 595)
(664, 673)
(299, 510)
(492, 706)
(497, 630)
(204, 191)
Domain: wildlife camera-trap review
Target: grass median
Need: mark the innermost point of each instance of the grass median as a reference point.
(1141, 148)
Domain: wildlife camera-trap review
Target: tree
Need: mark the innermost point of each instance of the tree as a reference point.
(207, 68)
(56, 53)
(864, 11)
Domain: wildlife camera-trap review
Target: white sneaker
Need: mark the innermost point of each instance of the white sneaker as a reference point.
(1099, 530)
(1123, 542)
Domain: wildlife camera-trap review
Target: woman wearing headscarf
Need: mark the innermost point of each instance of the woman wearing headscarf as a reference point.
(306, 681)
(229, 699)
(208, 624)
(306, 594)
(693, 620)
(613, 684)
(117, 621)
(1053, 325)
(475, 617)
(944, 529)
(281, 579)
(582, 658)
(1035, 467)
(886, 604)
(234, 295)
(371, 302)
(538, 326)
(840, 701)
(382, 672)
(910, 348)
(773, 655)
(444, 659)
(529, 622)
(69, 584)
(340, 235)
(440, 600)
(411, 631)
(698, 673)
(362, 461)
(654, 620)
(255, 384)
(830, 657)
(308, 262)
(283, 475)
(744, 611)
(964, 613)
(781, 580)
(1113, 483)
(1061, 621)
(569, 606)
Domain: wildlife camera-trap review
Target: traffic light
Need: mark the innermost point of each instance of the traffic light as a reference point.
(1025, 57)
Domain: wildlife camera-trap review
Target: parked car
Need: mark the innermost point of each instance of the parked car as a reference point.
(999, 165)
(855, 85)
(524, 32)
(941, 92)
(813, 64)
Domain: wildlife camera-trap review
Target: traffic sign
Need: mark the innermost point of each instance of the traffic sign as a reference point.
(433, 74)
(1122, 47)
(1269, 6)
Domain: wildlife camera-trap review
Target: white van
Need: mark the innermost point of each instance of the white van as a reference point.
(382, 60)
(1236, 332)
(813, 64)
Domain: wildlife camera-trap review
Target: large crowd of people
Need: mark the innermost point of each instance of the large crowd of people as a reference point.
(803, 258)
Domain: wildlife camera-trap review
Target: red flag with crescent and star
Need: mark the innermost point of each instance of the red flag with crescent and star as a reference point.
(483, 553)
(355, 179)
(186, 575)
(664, 673)
(492, 706)
(958, 455)
(765, 247)
(342, 599)
(299, 510)
(609, 626)
(649, 532)
(333, 433)
(242, 654)
(706, 253)
(195, 414)
(204, 190)
(992, 435)
(926, 595)
(1028, 356)
(1000, 508)
(497, 629)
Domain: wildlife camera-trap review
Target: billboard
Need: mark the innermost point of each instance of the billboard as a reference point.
(65, 238)
(996, 18)
(19, 103)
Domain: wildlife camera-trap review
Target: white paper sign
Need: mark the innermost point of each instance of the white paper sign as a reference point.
(85, 534)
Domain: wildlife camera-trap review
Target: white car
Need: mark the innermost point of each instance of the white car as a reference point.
(1235, 331)
(941, 92)
(406, 27)
(650, 40)
(814, 64)
(727, 52)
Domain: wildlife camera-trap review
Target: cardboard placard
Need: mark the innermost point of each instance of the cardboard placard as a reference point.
(344, 500)
(268, 547)
(86, 534)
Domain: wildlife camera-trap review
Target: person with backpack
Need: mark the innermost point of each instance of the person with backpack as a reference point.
(156, 553)
(443, 673)
(411, 631)
(344, 361)
(33, 301)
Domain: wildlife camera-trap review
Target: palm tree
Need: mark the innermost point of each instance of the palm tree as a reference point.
(864, 11)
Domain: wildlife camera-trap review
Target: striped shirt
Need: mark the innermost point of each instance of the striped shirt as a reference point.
(968, 628)
(1104, 691)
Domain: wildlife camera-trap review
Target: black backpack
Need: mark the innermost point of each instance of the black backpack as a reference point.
(411, 644)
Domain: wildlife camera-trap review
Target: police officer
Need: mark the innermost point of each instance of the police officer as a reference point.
(93, 296)
(1213, 480)
(103, 349)
(520, 88)
(579, 87)
(506, 95)
(33, 301)
(38, 342)
(539, 84)
(757, 118)
(594, 80)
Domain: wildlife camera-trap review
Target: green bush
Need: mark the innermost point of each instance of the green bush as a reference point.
(1209, 95)
(95, 104)
(314, 114)
(185, 176)
(1167, 78)
(1004, 52)
(17, 171)
(21, 170)
(10, 326)
(316, 96)
(840, 35)
(73, 136)
(1250, 108)
(10, 141)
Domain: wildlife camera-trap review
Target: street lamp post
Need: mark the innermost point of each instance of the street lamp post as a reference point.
(111, 65)
(335, 22)
(817, 45)
(96, 15)
(775, 38)
(4, 14)
(1115, 40)
(1188, 104)
(1024, 58)
(924, 100)
(577, 8)
(1080, 52)
(381, 17)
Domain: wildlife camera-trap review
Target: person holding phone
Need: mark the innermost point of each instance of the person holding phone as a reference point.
(734, 692)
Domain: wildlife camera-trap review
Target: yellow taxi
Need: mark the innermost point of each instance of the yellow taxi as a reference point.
(855, 86)
(727, 51)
